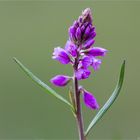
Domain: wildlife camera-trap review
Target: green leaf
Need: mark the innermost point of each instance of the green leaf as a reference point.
(42, 84)
(110, 101)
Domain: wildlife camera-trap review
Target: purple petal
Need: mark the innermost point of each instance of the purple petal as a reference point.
(60, 80)
(71, 48)
(96, 63)
(90, 101)
(82, 73)
(87, 31)
(97, 51)
(61, 55)
(78, 34)
(88, 43)
(92, 34)
(72, 31)
(86, 62)
(83, 28)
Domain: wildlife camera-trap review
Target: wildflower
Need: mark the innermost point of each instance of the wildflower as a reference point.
(80, 53)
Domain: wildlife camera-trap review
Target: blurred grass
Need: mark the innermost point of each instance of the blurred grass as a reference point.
(29, 31)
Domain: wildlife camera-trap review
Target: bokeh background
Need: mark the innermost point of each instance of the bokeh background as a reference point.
(30, 30)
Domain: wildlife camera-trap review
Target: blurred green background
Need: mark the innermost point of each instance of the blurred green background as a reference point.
(30, 31)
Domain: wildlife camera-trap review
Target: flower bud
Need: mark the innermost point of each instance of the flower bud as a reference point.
(92, 34)
(86, 15)
(78, 34)
(72, 31)
(60, 80)
(88, 43)
(90, 100)
(87, 32)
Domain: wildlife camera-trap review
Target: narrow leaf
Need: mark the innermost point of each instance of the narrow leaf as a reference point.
(40, 83)
(110, 101)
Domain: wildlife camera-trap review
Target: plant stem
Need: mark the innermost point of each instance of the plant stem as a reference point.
(79, 117)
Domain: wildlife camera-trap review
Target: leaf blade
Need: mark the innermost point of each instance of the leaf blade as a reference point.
(109, 102)
(40, 83)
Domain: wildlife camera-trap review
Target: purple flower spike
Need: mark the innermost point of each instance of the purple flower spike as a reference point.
(82, 29)
(60, 80)
(97, 51)
(71, 48)
(90, 100)
(61, 55)
(82, 73)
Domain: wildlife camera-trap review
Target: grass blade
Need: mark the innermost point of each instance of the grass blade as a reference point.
(110, 101)
(40, 83)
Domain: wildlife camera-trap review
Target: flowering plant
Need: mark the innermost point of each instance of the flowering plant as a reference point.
(80, 53)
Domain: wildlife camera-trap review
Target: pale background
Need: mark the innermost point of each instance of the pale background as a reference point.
(29, 31)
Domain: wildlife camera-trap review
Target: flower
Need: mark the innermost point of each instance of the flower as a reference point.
(90, 100)
(96, 51)
(91, 61)
(61, 55)
(86, 62)
(71, 48)
(81, 54)
(60, 80)
(96, 63)
(82, 73)
(79, 48)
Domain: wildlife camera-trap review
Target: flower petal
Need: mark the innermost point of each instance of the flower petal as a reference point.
(82, 73)
(96, 63)
(90, 100)
(60, 80)
(86, 62)
(78, 34)
(61, 55)
(71, 48)
(87, 31)
(97, 51)
(72, 31)
(88, 43)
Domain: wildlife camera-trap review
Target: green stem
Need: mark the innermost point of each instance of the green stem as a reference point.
(79, 117)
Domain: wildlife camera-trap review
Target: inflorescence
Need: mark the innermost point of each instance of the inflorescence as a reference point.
(80, 53)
